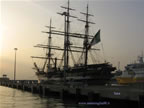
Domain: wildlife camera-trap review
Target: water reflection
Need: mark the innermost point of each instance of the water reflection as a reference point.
(13, 98)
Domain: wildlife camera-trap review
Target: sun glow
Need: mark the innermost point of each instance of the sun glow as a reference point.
(0, 38)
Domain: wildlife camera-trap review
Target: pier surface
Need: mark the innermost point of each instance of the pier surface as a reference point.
(130, 93)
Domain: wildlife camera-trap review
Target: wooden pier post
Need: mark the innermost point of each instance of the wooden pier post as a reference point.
(141, 101)
(90, 96)
(78, 94)
(43, 91)
(62, 94)
(38, 89)
(23, 87)
(32, 89)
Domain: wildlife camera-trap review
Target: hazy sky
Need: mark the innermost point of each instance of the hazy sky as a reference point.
(21, 22)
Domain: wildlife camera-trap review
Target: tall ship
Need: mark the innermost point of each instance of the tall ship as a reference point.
(133, 73)
(61, 69)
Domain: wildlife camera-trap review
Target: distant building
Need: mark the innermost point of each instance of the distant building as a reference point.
(4, 78)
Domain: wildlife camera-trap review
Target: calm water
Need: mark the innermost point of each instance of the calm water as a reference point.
(13, 98)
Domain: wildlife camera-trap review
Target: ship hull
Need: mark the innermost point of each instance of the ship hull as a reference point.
(96, 74)
(42, 78)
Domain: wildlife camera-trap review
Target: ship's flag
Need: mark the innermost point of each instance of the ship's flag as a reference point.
(95, 40)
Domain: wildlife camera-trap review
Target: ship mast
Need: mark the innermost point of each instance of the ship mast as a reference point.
(86, 37)
(66, 33)
(49, 42)
(67, 43)
(48, 55)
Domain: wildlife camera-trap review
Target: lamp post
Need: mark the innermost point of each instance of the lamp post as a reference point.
(15, 64)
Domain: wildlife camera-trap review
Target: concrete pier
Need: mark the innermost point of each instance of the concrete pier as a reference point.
(81, 93)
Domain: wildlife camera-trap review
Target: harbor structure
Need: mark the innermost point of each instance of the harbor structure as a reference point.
(80, 93)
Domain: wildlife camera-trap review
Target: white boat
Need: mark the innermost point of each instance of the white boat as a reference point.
(133, 73)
